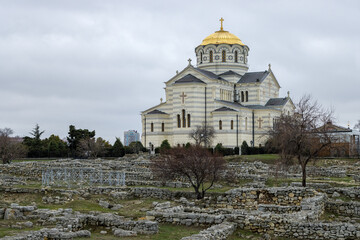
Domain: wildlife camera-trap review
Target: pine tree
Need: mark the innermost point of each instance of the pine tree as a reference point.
(118, 149)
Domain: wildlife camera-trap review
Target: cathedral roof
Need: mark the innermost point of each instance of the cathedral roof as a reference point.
(257, 107)
(210, 74)
(230, 72)
(239, 105)
(233, 104)
(276, 101)
(223, 109)
(188, 79)
(253, 77)
(156, 111)
(222, 36)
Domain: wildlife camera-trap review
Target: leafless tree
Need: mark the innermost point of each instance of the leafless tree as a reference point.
(203, 134)
(89, 147)
(10, 148)
(357, 126)
(303, 135)
(200, 167)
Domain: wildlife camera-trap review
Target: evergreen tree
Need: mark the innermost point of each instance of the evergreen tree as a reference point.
(55, 146)
(219, 148)
(75, 136)
(136, 147)
(118, 149)
(244, 148)
(34, 144)
(165, 145)
(36, 133)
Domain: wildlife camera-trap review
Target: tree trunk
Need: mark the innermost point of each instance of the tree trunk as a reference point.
(198, 195)
(197, 192)
(303, 176)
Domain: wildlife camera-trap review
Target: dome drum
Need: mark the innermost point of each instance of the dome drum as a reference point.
(222, 50)
(212, 57)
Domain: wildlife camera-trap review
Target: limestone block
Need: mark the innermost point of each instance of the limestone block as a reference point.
(116, 207)
(104, 204)
(13, 214)
(124, 233)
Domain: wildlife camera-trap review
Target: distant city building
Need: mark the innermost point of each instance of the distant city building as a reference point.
(131, 136)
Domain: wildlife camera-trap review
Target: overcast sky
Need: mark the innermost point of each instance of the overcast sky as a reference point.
(98, 64)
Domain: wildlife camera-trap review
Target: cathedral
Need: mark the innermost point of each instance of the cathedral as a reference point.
(219, 92)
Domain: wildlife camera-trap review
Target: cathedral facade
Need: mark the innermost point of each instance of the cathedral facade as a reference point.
(219, 92)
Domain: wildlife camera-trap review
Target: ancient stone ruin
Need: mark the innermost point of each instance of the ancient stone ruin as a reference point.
(32, 200)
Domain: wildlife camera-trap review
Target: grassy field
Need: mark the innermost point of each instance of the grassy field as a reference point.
(33, 159)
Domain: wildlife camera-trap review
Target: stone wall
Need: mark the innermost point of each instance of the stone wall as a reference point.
(249, 198)
(219, 231)
(312, 171)
(47, 233)
(350, 192)
(296, 225)
(303, 230)
(350, 209)
(68, 221)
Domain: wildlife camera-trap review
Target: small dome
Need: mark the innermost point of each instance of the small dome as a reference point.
(220, 37)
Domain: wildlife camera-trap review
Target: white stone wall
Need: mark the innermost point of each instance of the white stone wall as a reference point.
(194, 104)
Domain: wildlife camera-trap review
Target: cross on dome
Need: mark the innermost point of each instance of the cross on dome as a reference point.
(221, 20)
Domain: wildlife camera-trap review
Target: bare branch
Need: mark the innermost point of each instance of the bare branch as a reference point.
(196, 164)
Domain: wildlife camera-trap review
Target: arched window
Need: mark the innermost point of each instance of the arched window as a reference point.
(247, 96)
(236, 56)
(223, 56)
(242, 96)
(184, 118)
(163, 127)
(246, 124)
(232, 124)
(201, 56)
(188, 120)
(211, 56)
(220, 125)
(152, 127)
(178, 121)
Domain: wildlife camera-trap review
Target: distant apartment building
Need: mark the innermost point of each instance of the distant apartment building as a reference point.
(131, 136)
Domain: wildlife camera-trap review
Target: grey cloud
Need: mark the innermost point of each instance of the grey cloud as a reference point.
(98, 64)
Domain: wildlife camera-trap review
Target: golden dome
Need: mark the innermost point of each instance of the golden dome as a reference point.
(222, 36)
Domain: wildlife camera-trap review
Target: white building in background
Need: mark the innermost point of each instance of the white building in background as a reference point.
(220, 92)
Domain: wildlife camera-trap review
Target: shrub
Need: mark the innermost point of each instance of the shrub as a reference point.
(244, 148)
(165, 145)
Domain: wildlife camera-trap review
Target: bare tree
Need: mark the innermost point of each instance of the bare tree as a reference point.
(89, 147)
(200, 167)
(203, 134)
(10, 148)
(357, 126)
(303, 135)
